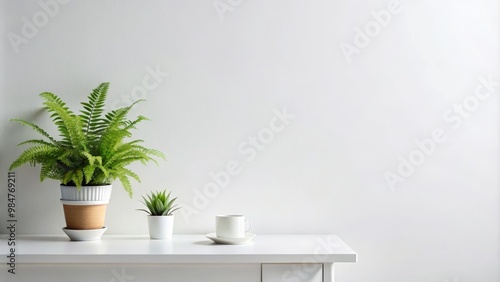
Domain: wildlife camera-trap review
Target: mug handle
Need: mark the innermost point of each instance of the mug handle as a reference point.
(249, 225)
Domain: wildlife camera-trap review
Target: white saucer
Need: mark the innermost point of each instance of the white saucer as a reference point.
(84, 235)
(230, 241)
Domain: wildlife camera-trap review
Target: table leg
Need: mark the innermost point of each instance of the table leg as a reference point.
(328, 272)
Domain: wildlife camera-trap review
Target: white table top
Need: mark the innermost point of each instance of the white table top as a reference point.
(320, 248)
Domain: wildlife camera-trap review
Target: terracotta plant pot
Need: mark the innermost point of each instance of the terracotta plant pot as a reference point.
(84, 215)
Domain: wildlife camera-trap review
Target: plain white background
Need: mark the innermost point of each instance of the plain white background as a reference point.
(230, 69)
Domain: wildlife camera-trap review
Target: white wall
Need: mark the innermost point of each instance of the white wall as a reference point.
(325, 171)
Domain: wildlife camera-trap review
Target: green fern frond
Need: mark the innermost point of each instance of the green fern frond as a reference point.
(154, 153)
(127, 152)
(132, 174)
(132, 124)
(38, 142)
(51, 170)
(105, 178)
(92, 159)
(34, 155)
(88, 172)
(68, 124)
(116, 118)
(36, 128)
(70, 158)
(91, 115)
(53, 98)
(74, 176)
(126, 184)
(110, 142)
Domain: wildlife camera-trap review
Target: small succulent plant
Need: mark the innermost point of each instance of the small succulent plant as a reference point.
(159, 204)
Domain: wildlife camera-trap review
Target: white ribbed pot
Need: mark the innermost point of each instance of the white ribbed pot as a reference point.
(86, 193)
(161, 227)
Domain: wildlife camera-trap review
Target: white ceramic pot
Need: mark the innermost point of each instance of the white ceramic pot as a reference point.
(160, 227)
(86, 193)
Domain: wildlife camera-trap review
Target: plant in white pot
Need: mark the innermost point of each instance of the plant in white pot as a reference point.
(160, 214)
(92, 152)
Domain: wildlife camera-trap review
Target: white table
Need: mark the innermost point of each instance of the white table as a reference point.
(267, 258)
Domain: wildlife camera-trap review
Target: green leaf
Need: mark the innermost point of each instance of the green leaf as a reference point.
(144, 211)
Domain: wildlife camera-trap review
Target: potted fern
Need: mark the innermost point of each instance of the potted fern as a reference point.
(160, 214)
(92, 152)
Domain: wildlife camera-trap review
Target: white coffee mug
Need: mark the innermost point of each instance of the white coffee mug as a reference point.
(231, 226)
